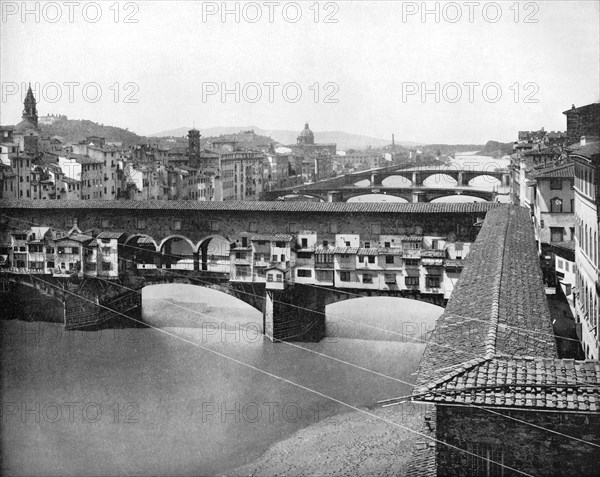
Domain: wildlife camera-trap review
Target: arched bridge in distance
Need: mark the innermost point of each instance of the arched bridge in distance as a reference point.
(343, 188)
(287, 259)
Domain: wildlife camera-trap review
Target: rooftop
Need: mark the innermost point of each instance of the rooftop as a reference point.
(272, 237)
(589, 151)
(247, 206)
(561, 171)
(498, 309)
(530, 382)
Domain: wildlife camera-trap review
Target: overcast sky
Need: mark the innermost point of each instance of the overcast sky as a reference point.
(371, 65)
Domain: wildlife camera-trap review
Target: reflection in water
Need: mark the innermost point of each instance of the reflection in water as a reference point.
(184, 406)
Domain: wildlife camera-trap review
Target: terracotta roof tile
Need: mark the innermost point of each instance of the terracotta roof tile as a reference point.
(258, 206)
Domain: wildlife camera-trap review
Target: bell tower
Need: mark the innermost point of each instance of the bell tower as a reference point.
(30, 110)
(194, 142)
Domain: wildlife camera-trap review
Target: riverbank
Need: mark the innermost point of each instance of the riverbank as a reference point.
(350, 444)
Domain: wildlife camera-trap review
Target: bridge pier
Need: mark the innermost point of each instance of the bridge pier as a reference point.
(376, 179)
(505, 180)
(460, 179)
(418, 196)
(294, 314)
(334, 196)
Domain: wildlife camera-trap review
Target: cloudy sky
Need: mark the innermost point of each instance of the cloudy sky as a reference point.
(454, 72)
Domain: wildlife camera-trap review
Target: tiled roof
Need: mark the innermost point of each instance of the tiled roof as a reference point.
(498, 307)
(325, 250)
(345, 250)
(563, 171)
(568, 245)
(363, 252)
(590, 150)
(255, 206)
(272, 237)
(529, 382)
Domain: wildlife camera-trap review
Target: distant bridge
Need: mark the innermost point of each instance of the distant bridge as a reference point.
(342, 188)
(409, 194)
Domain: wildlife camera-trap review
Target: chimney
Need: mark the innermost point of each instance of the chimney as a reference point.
(582, 141)
(393, 142)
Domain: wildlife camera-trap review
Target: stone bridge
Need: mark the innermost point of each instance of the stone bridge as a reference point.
(150, 228)
(415, 174)
(409, 194)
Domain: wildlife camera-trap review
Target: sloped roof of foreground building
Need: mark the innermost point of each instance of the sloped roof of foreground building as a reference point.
(498, 307)
(494, 344)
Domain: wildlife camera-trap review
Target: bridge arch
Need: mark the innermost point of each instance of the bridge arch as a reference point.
(141, 251)
(438, 178)
(178, 252)
(383, 321)
(487, 178)
(176, 294)
(176, 236)
(214, 252)
(394, 197)
(397, 180)
(458, 198)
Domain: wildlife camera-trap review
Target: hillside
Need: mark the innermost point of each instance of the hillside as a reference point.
(496, 149)
(343, 140)
(74, 130)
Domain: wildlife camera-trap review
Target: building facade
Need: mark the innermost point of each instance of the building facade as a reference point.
(587, 199)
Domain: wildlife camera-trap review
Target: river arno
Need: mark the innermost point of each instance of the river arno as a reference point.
(198, 395)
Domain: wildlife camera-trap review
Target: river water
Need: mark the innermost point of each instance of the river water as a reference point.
(200, 393)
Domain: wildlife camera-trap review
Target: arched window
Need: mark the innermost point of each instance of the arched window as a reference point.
(556, 204)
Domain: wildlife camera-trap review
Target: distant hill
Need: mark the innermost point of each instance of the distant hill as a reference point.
(75, 130)
(342, 139)
(496, 149)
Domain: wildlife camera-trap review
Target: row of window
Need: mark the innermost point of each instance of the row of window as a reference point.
(587, 240)
(37, 265)
(589, 303)
(431, 281)
(584, 180)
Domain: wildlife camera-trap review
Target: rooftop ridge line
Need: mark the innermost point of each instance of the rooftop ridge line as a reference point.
(490, 342)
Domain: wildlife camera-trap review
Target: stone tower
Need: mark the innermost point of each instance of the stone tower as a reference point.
(194, 142)
(30, 110)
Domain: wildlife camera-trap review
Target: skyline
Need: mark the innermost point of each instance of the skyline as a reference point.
(177, 73)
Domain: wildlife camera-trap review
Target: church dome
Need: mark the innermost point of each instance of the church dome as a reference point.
(306, 136)
(306, 132)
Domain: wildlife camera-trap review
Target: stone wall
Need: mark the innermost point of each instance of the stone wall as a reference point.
(515, 444)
